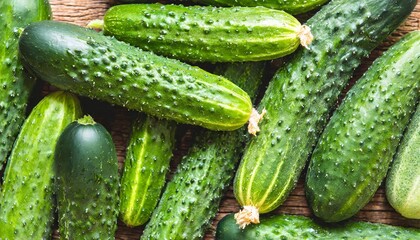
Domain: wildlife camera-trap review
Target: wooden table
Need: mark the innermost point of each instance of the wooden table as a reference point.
(117, 121)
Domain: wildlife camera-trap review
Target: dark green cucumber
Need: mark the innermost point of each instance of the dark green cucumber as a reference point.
(87, 181)
(303, 228)
(16, 84)
(356, 148)
(26, 199)
(90, 64)
(207, 34)
(302, 94)
(290, 6)
(146, 164)
(402, 182)
(192, 197)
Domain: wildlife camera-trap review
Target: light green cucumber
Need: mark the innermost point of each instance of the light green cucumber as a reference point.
(191, 199)
(357, 146)
(303, 93)
(207, 34)
(146, 164)
(15, 84)
(26, 200)
(403, 180)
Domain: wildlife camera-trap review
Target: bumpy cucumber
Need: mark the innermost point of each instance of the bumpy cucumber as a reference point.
(26, 200)
(192, 197)
(86, 62)
(87, 181)
(290, 6)
(301, 95)
(16, 84)
(197, 33)
(300, 227)
(354, 152)
(146, 164)
(403, 180)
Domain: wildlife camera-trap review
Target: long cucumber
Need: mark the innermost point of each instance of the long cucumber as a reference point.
(302, 94)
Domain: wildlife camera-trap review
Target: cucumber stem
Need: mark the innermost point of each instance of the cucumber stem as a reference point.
(86, 120)
(246, 216)
(305, 36)
(96, 24)
(254, 119)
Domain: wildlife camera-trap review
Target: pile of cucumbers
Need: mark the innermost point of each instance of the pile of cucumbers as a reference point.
(205, 64)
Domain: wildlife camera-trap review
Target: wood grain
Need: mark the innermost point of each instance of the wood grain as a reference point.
(117, 120)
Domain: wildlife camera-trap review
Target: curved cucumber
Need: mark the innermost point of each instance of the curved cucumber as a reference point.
(192, 197)
(90, 64)
(403, 180)
(290, 6)
(301, 95)
(354, 152)
(16, 84)
(207, 34)
(300, 227)
(26, 200)
(147, 162)
(87, 181)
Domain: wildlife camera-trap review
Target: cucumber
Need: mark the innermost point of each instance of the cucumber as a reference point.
(146, 164)
(291, 6)
(301, 95)
(90, 64)
(207, 34)
(356, 148)
(87, 181)
(192, 197)
(26, 199)
(402, 182)
(16, 84)
(300, 227)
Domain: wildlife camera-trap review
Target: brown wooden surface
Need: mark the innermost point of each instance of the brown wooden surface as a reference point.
(117, 120)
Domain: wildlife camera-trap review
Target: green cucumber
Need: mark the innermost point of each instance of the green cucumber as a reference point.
(192, 197)
(146, 164)
(356, 148)
(87, 181)
(302, 94)
(402, 183)
(26, 199)
(16, 84)
(207, 34)
(291, 6)
(90, 64)
(300, 227)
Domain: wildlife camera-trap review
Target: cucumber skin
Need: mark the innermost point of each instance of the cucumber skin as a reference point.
(26, 200)
(87, 182)
(191, 199)
(291, 6)
(402, 182)
(300, 227)
(357, 146)
(301, 95)
(204, 33)
(16, 84)
(147, 162)
(90, 64)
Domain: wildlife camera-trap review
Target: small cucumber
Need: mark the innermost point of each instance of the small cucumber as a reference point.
(291, 6)
(207, 34)
(26, 200)
(87, 181)
(192, 197)
(16, 84)
(403, 180)
(300, 227)
(356, 148)
(146, 164)
(90, 64)
(302, 94)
